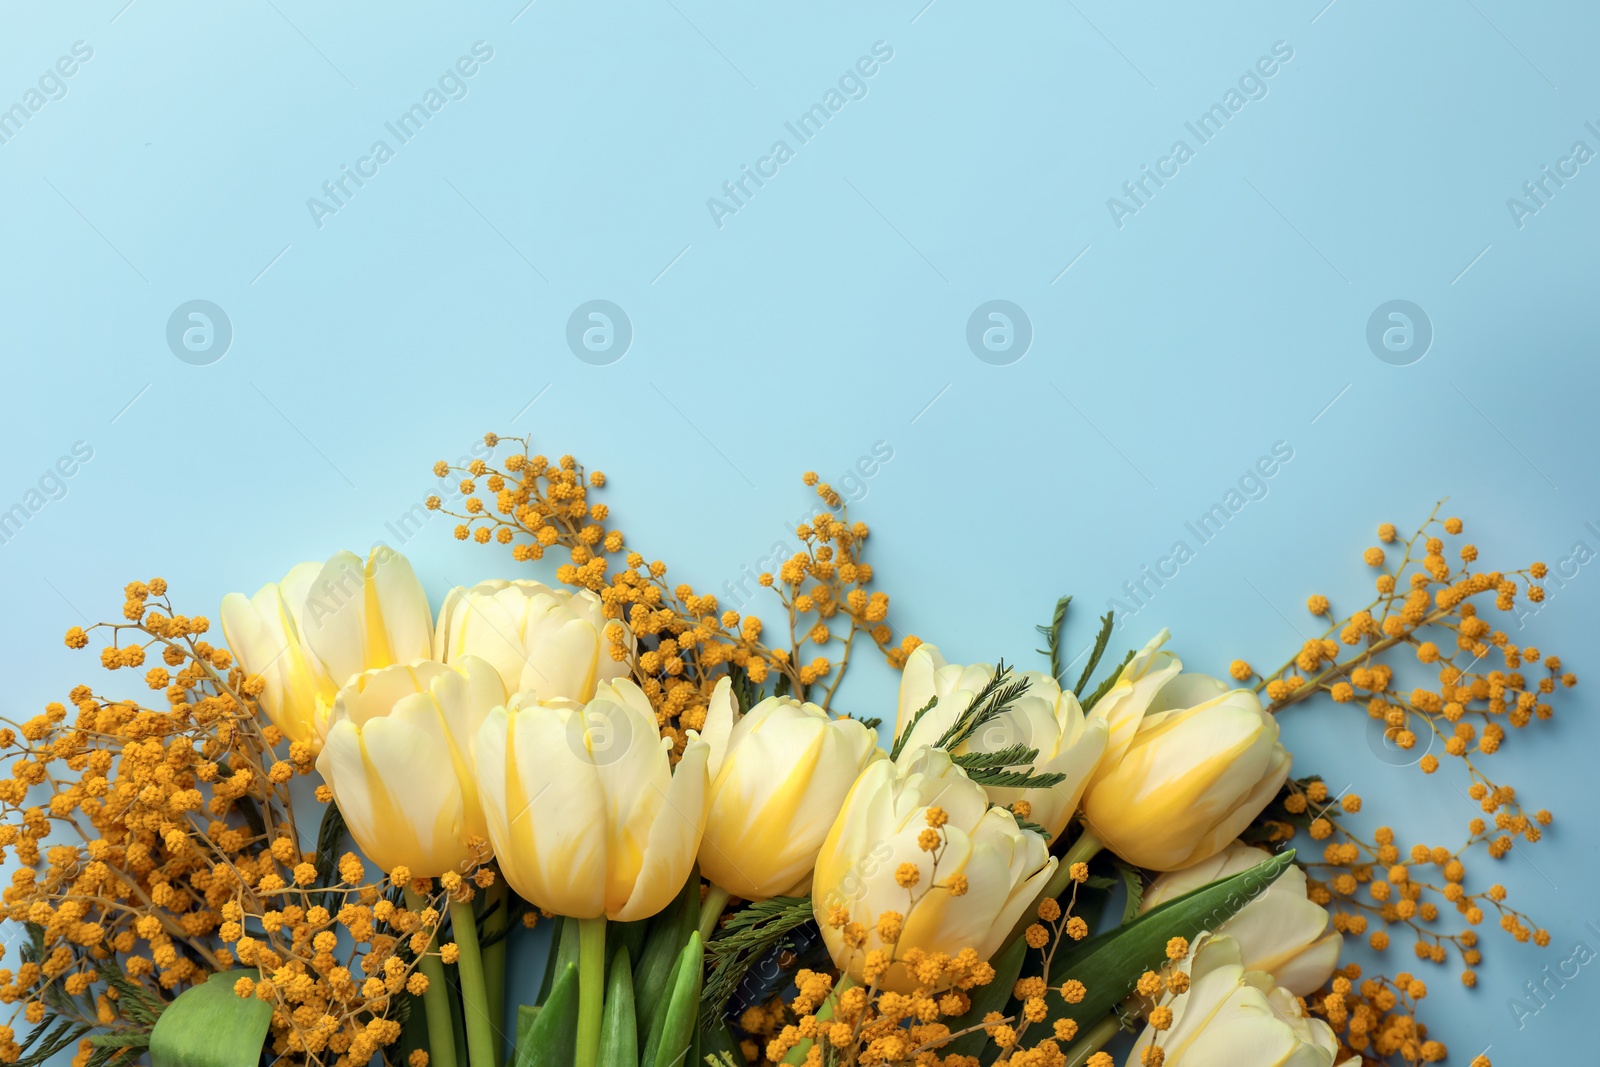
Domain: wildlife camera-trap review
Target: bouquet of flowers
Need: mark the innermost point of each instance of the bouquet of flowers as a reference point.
(734, 870)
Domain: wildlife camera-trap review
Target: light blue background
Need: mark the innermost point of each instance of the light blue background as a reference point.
(828, 314)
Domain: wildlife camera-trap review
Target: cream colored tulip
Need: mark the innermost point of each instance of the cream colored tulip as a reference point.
(778, 779)
(1189, 781)
(1004, 866)
(1124, 705)
(1233, 1017)
(266, 634)
(1043, 718)
(548, 642)
(1281, 931)
(309, 634)
(585, 811)
(398, 758)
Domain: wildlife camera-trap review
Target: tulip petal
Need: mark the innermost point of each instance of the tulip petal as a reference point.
(719, 725)
(674, 838)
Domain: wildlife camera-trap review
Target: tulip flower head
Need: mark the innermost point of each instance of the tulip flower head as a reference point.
(1123, 706)
(778, 779)
(324, 623)
(548, 642)
(1044, 718)
(1188, 782)
(586, 813)
(967, 892)
(1280, 931)
(1233, 1017)
(398, 757)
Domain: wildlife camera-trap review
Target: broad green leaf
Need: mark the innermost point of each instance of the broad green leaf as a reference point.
(670, 1041)
(652, 976)
(619, 1032)
(1110, 965)
(211, 1026)
(550, 1038)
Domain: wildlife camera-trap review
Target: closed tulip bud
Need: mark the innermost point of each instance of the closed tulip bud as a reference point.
(1044, 718)
(1189, 781)
(778, 779)
(996, 868)
(1280, 931)
(398, 758)
(1233, 1017)
(309, 634)
(586, 813)
(1124, 705)
(547, 642)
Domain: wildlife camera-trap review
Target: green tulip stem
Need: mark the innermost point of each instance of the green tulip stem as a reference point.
(494, 961)
(1090, 1041)
(591, 988)
(711, 911)
(474, 995)
(1084, 849)
(436, 1001)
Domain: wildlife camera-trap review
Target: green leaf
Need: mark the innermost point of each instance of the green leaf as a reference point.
(628, 936)
(549, 1037)
(670, 1039)
(716, 1041)
(987, 998)
(652, 976)
(748, 935)
(1101, 640)
(563, 950)
(211, 1026)
(1110, 680)
(905, 735)
(330, 835)
(1110, 964)
(619, 1030)
(1052, 638)
(992, 701)
(1133, 882)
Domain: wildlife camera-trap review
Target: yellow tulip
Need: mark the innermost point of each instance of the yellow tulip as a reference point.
(1189, 781)
(1281, 931)
(1233, 1017)
(861, 866)
(548, 642)
(309, 634)
(1123, 706)
(398, 758)
(264, 632)
(587, 816)
(778, 779)
(1043, 718)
